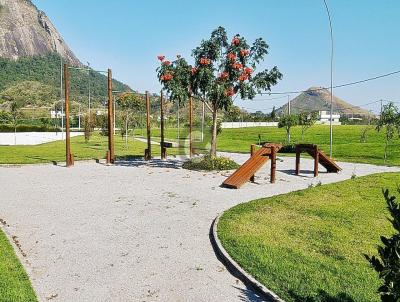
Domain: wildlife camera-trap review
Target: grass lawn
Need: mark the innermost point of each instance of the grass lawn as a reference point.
(308, 246)
(347, 146)
(94, 149)
(14, 283)
(346, 142)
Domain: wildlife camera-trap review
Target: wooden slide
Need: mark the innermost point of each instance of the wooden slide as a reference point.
(246, 172)
(319, 158)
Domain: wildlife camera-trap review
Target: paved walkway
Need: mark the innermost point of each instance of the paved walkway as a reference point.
(134, 231)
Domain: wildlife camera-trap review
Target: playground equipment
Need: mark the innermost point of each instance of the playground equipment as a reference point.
(258, 159)
(319, 158)
(110, 152)
(268, 151)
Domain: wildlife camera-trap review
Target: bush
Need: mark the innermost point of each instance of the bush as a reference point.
(29, 128)
(210, 163)
(387, 265)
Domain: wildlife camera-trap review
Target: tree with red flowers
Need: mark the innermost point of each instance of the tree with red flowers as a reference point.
(222, 70)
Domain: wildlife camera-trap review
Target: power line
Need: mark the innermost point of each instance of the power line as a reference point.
(337, 86)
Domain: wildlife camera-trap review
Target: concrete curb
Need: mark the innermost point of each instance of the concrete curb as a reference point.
(235, 269)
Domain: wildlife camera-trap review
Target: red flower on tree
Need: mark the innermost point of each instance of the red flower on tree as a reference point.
(194, 70)
(161, 58)
(224, 75)
(235, 41)
(231, 56)
(244, 52)
(243, 77)
(248, 70)
(229, 92)
(237, 66)
(204, 61)
(166, 63)
(166, 77)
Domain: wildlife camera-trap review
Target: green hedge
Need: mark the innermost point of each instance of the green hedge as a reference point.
(28, 128)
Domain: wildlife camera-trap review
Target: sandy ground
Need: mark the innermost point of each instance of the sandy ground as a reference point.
(134, 231)
(33, 138)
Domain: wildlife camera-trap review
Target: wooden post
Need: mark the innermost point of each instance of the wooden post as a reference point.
(110, 155)
(298, 152)
(147, 155)
(68, 156)
(190, 126)
(252, 151)
(273, 164)
(163, 149)
(316, 160)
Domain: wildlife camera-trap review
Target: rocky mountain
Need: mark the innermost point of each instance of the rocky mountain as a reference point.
(26, 31)
(319, 99)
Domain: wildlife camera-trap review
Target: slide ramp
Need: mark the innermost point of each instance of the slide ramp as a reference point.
(250, 167)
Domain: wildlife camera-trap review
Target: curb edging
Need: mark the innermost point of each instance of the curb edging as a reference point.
(234, 267)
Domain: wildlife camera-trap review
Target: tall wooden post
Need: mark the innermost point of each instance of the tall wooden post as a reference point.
(252, 151)
(147, 154)
(68, 156)
(163, 149)
(191, 125)
(273, 164)
(110, 153)
(297, 160)
(316, 160)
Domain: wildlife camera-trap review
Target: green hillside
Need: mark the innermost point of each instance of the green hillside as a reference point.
(36, 81)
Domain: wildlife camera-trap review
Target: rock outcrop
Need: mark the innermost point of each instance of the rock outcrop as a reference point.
(26, 31)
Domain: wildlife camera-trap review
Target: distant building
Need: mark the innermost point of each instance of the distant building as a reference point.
(325, 118)
(56, 114)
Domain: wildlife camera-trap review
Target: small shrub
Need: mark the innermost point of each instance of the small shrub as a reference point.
(29, 128)
(387, 265)
(210, 163)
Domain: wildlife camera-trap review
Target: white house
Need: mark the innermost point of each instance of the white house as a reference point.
(325, 118)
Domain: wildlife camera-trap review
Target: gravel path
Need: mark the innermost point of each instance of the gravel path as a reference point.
(134, 231)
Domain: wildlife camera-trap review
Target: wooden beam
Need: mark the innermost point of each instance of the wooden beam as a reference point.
(68, 155)
(110, 155)
(273, 165)
(147, 155)
(252, 152)
(316, 160)
(163, 149)
(190, 126)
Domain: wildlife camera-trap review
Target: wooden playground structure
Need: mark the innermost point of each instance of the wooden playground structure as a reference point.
(268, 152)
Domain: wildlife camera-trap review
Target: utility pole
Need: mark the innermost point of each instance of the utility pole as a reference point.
(110, 153)
(61, 98)
(69, 157)
(288, 102)
(89, 97)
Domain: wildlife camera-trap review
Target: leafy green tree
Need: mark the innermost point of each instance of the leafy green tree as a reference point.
(390, 122)
(306, 120)
(288, 121)
(273, 114)
(387, 265)
(130, 104)
(221, 71)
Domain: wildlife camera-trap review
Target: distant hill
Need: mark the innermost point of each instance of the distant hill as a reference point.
(31, 52)
(26, 31)
(317, 99)
(36, 81)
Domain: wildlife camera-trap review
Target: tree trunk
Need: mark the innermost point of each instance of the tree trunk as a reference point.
(214, 133)
(386, 147)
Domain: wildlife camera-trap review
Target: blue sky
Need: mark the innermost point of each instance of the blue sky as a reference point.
(127, 36)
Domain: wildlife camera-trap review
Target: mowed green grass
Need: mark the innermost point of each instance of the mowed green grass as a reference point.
(308, 245)
(346, 142)
(14, 282)
(94, 149)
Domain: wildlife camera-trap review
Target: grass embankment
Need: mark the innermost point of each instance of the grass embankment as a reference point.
(14, 282)
(346, 142)
(309, 245)
(96, 148)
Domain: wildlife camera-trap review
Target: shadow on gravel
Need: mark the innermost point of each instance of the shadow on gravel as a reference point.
(302, 172)
(154, 163)
(322, 296)
(248, 295)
